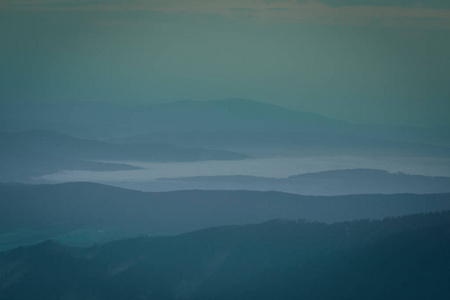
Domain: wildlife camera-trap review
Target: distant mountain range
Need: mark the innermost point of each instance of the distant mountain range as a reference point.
(233, 124)
(180, 116)
(84, 213)
(394, 259)
(339, 182)
(287, 143)
(34, 153)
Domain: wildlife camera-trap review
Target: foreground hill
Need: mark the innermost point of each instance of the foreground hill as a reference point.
(400, 258)
(84, 213)
(34, 153)
(330, 183)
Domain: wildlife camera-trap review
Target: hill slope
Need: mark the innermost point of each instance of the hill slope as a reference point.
(84, 213)
(402, 258)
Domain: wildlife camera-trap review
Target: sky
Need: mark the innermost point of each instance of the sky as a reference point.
(368, 61)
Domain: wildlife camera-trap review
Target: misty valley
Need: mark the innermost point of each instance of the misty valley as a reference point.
(227, 199)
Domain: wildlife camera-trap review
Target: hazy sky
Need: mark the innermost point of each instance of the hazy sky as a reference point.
(365, 61)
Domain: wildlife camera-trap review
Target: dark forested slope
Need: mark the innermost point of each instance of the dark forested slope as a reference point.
(397, 258)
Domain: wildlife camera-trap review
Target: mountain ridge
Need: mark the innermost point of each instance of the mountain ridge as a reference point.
(325, 183)
(105, 120)
(34, 153)
(86, 213)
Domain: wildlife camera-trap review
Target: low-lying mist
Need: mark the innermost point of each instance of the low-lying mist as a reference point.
(278, 167)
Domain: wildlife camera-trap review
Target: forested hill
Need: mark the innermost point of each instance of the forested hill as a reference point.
(397, 258)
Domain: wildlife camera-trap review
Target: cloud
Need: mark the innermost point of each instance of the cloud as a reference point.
(397, 13)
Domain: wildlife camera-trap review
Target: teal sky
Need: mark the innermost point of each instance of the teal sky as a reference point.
(375, 61)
